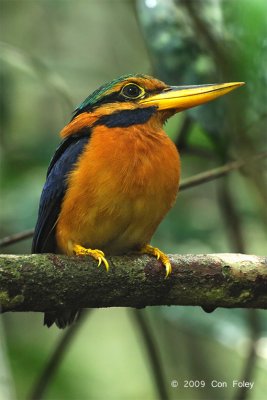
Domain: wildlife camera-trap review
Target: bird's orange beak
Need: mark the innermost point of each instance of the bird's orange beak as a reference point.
(182, 97)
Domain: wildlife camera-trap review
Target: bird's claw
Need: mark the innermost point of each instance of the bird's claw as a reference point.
(154, 251)
(96, 254)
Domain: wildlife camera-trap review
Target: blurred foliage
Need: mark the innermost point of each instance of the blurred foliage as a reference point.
(6, 384)
(53, 54)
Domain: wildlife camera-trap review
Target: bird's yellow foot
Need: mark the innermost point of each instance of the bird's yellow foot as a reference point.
(97, 254)
(154, 251)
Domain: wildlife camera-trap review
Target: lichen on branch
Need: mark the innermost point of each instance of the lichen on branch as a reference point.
(47, 282)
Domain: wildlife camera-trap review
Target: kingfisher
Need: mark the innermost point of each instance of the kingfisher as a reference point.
(115, 174)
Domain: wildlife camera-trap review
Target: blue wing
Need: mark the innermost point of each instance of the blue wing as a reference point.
(65, 157)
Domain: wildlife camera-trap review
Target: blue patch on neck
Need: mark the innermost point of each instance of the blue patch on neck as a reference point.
(125, 118)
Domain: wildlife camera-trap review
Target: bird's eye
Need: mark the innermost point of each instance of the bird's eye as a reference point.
(132, 91)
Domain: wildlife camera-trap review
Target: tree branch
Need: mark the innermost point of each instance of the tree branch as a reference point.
(46, 282)
(17, 237)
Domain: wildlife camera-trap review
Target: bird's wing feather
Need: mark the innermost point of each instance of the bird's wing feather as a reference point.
(61, 165)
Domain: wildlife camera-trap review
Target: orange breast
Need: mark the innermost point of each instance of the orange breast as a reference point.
(124, 183)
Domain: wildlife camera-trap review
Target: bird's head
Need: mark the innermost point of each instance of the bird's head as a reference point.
(135, 99)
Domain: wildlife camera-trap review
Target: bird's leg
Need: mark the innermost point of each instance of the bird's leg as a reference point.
(97, 254)
(154, 251)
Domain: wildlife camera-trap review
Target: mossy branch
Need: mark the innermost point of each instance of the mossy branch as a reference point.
(47, 282)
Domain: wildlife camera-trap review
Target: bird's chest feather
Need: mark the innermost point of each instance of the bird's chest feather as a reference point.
(123, 185)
